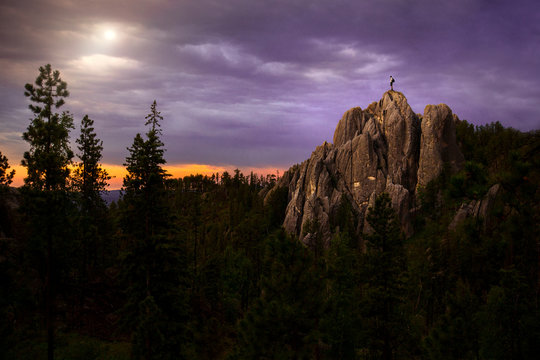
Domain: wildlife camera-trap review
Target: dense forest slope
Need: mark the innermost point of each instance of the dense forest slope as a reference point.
(201, 267)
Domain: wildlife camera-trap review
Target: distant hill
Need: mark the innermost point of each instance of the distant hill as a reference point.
(111, 195)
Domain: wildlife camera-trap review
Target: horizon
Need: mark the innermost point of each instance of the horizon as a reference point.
(176, 172)
(242, 85)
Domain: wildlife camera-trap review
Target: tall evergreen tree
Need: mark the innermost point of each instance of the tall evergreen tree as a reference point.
(89, 177)
(341, 321)
(144, 183)
(284, 322)
(89, 180)
(154, 263)
(6, 176)
(383, 291)
(48, 133)
(47, 165)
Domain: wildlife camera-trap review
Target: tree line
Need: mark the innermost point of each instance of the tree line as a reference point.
(200, 267)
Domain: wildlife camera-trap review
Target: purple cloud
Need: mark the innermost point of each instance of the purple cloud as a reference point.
(260, 83)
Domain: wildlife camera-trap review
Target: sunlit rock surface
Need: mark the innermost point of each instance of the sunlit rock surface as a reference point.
(383, 148)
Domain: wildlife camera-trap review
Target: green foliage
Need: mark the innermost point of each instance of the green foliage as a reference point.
(50, 230)
(48, 133)
(487, 143)
(342, 320)
(72, 346)
(154, 118)
(225, 224)
(510, 320)
(154, 274)
(89, 178)
(276, 205)
(385, 234)
(455, 334)
(47, 165)
(345, 221)
(6, 176)
(473, 284)
(88, 181)
(493, 146)
(14, 293)
(470, 183)
(154, 262)
(282, 323)
(144, 184)
(383, 294)
(149, 339)
(206, 271)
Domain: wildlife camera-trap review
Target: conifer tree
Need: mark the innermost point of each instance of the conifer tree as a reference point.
(145, 182)
(48, 133)
(341, 321)
(47, 166)
(383, 290)
(154, 263)
(6, 176)
(89, 180)
(283, 322)
(89, 177)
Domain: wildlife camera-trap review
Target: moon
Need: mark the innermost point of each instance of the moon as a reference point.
(109, 34)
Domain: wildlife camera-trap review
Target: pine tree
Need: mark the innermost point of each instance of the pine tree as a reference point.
(48, 133)
(154, 261)
(283, 323)
(154, 117)
(144, 184)
(89, 180)
(47, 165)
(6, 176)
(383, 290)
(341, 321)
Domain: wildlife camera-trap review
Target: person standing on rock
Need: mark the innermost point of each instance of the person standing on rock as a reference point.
(392, 81)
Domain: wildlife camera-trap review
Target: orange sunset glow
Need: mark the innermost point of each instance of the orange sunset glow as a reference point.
(176, 170)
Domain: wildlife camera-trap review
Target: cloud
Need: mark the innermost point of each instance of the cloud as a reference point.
(244, 83)
(101, 65)
(277, 68)
(221, 52)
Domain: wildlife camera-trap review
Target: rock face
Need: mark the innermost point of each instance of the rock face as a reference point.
(384, 148)
(438, 144)
(479, 209)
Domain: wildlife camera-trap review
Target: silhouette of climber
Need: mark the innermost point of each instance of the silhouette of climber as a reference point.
(392, 81)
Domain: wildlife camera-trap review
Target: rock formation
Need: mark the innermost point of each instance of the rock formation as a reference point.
(384, 148)
(478, 209)
(438, 144)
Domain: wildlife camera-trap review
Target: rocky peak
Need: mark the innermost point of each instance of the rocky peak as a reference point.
(438, 144)
(349, 126)
(384, 148)
(392, 107)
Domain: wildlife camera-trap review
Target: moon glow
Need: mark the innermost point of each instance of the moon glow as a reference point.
(109, 34)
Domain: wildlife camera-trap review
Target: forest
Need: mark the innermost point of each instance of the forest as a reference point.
(200, 267)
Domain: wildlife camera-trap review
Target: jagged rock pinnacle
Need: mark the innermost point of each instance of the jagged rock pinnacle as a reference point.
(383, 148)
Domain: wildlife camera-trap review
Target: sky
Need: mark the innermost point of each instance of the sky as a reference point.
(257, 85)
